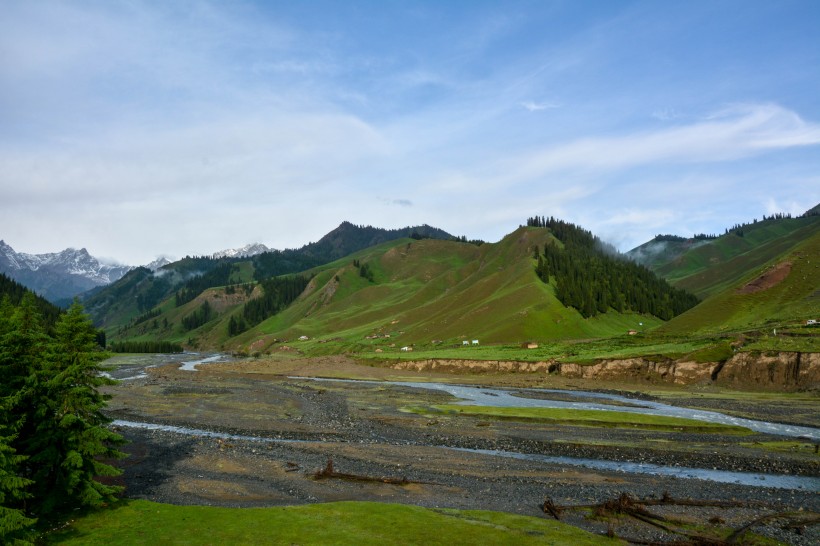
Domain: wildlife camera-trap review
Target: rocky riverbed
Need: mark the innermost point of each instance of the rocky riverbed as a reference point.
(390, 454)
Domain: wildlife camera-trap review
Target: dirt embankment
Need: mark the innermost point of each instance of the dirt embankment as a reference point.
(782, 371)
(771, 277)
(776, 370)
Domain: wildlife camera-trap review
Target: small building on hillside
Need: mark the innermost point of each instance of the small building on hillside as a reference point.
(529, 345)
(407, 349)
(475, 342)
(632, 332)
(811, 322)
(303, 338)
(465, 342)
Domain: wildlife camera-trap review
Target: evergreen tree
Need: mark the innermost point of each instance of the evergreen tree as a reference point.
(22, 344)
(591, 277)
(13, 520)
(70, 437)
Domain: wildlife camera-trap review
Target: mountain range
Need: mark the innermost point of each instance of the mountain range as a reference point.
(410, 289)
(421, 283)
(60, 275)
(246, 251)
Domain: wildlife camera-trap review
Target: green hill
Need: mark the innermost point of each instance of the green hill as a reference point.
(126, 301)
(411, 292)
(13, 291)
(707, 265)
(780, 291)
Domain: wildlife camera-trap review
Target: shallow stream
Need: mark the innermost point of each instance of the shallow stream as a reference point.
(778, 481)
(517, 398)
(529, 398)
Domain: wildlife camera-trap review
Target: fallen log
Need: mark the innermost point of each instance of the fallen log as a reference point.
(329, 472)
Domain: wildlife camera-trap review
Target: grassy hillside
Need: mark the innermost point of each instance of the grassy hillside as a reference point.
(781, 290)
(707, 267)
(430, 292)
(140, 291)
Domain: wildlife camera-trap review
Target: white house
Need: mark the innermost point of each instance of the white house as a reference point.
(465, 342)
(475, 342)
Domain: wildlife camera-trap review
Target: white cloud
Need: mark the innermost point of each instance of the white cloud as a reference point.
(537, 106)
(666, 114)
(646, 218)
(790, 206)
(730, 135)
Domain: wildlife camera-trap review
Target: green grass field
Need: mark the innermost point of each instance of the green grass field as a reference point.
(591, 418)
(139, 522)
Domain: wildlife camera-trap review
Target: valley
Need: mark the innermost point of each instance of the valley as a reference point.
(542, 377)
(254, 432)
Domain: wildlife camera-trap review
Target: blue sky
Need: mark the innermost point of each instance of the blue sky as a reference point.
(139, 129)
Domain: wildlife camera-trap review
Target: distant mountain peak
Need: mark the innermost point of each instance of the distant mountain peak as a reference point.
(246, 251)
(159, 263)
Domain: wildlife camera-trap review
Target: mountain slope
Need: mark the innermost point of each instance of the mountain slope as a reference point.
(784, 289)
(120, 303)
(349, 238)
(706, 266)
(431, 290)
(14, 292)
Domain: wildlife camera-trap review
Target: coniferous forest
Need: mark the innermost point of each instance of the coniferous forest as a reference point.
(156, 346)
(278, 293)
(592, 277)
(53, 437)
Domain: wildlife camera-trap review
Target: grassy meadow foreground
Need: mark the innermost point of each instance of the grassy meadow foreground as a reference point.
(144, 522)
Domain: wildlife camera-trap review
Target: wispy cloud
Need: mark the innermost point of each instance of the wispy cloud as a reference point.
(230, 124)
(648, 218)
(793, 207)
(666, 114)
(731, 134)
(537, 106)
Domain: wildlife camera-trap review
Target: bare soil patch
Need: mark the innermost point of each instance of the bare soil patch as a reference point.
(768, 279)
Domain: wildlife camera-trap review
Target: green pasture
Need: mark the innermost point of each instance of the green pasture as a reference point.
(357, 523)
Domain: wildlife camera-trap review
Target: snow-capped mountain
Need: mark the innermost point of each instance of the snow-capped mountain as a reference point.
(58, 275)
(245, 252)
(158, 263)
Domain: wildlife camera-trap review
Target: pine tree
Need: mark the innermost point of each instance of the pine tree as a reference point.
(22, 344)
(21, 340)
(70, 437)
(13, 520)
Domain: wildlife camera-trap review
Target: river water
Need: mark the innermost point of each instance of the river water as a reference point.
(529, 398)
(517, 398)
(777, 481)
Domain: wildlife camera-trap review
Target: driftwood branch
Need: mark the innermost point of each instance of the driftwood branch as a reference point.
(635, 508)
(329, 472)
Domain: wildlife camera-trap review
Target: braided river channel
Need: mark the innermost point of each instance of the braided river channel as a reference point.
(537, 398)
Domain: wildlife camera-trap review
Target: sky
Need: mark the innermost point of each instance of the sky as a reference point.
(142, 129)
